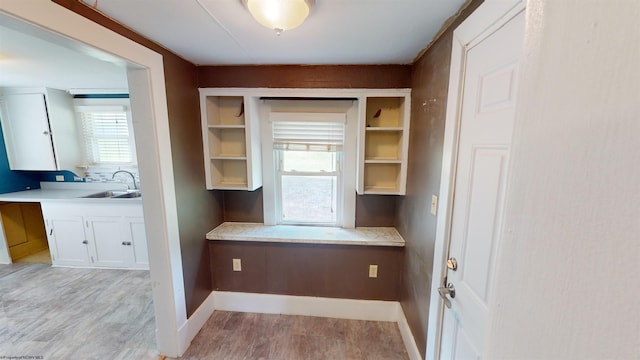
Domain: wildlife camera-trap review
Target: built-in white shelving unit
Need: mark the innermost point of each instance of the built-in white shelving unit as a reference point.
(384, 141)
(231, 135)
(231, 147)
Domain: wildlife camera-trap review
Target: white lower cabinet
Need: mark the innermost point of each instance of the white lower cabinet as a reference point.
(73, 250)
(108, 235)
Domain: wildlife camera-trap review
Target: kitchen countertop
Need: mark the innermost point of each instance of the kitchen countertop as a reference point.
(50, 191)
(368, 236)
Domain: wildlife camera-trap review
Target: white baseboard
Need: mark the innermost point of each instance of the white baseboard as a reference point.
(194, 323)
(306, 305)
(407, 336)
(372, 310)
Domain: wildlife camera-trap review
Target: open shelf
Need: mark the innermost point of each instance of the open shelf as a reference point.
(385, 112)
(227, 142)
(383, 145)
(229, 174)
(381, 178)
(225, 110)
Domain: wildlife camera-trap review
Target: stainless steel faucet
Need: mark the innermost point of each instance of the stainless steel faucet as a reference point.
(135, 187)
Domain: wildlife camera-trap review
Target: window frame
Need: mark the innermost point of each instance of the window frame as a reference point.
(343, 109)
(84, 105)
(279, 172)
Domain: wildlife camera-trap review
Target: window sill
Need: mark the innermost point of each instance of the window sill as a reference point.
(365, 236)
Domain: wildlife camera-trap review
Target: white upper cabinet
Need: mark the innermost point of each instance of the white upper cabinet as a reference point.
(39, 128)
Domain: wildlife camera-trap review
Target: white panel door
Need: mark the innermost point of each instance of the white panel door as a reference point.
(27, 132)
(486, 127)
(107, 245)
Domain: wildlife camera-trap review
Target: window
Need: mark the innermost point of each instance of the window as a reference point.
(308, 161)
(107, 135)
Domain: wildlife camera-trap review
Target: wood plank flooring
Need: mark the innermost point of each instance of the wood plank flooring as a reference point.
(244, 336)
(86, 314)
(65, 313)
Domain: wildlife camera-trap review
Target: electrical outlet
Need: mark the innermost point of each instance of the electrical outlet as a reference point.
(434, 205)
(373, 271)
(237, 265)
(59, 177)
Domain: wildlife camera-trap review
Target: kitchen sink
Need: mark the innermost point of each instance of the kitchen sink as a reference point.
(128, 195)
(102, 194)
(115, 194)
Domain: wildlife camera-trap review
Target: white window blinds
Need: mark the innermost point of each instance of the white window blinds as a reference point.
(305, 135)
(106, 136)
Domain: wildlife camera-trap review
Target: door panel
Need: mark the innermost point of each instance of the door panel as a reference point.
(486, 126)
(484, 198)
(140, 257)
(28, 140)
(106, 241)
(69, 238)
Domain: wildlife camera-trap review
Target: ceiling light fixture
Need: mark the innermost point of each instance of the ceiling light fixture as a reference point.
(279, 15)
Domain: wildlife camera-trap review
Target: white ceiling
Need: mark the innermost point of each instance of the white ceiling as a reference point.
(29, 60)
(222, 32)
(216, 32)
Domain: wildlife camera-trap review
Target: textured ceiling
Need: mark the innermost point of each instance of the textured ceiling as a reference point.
(213, 32)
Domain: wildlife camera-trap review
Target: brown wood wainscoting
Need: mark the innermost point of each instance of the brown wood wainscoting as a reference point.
(334, 271)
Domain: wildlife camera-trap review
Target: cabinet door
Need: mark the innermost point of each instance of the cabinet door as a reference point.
(67, 240)
(106, 244)
(136, 236)
(27, 133)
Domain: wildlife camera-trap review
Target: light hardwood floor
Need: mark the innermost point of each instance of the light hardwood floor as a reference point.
(244, 336)
(85, 314)
(65, 313)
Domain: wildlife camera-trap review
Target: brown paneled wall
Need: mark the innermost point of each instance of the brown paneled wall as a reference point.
(243, 206)
(335, 271)
(430, 84)
(371, 210)
(306, 76)
(198, 210)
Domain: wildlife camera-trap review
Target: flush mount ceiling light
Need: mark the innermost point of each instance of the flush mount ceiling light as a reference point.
(279, 15)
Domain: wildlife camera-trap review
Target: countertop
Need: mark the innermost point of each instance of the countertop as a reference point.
(50, 191)
(369, 236)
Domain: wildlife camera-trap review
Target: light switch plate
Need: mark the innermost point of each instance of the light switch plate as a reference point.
(373, 271)
(434, 205)
(237, 265)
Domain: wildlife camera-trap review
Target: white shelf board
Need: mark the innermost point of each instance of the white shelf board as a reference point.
(383, 128)
(382, 161)
(226, 126)
(228, 157)
(381, 190)
(231, 186)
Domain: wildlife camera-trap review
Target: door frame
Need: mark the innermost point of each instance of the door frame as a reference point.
(490, 16)
(149, 103)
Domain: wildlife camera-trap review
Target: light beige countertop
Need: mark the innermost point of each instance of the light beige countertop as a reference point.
(51, 191)
(369, 236)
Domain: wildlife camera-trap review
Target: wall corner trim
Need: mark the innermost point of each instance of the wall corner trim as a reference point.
(407, 336)
(190, 328)
(371, 310)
